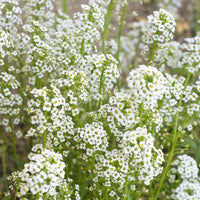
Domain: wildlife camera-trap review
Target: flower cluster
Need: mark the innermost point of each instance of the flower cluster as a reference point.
(10, 100)
(137, 160)
(147, 85)
(43, 176)
(169, 54)
(161, 26)
(49, 113)
(102, 137)
(93, 138)
(189, 185)
(171, 5)
(191, 58)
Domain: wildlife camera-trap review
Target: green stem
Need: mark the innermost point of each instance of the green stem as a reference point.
(106, 194)
(106, 23)
(153, 51)
(79, 121)
(125, 187)
(82, 46)
(45, 139)
(13, 142)
(39, 83)
(30, 143)
(174, 142)
(197, 15)
(120, 30)
(4, 167)
(137, 49)
(6, 68)
(64, 6)
(88, 106)
(119, 41)
(100, 87)
(150, 190)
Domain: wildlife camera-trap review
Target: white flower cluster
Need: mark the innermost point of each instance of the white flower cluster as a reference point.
(42, 10)
(186, 167)
(45, 174)
(189, 187)
(169, 54)
(171, 5)
(145, 158)
(161, 26)
(5, 43)
(147, 85)
(93, 138)
(10, 101)
(104, 4)
(50, 115)
(73, 79)
(137, 159)
(191, 57)
(77, 35)
(57, 83)
(10, 15)
(187, 190)
(104, 73)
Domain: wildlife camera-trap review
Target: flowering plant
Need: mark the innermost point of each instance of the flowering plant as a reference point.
(89, 132)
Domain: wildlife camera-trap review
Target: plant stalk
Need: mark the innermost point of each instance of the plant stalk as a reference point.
(64, 6)
(13, 142)
(4, 167)
(45, 139)
(153, 51)
(174, 142)
(106, 23)
(119, 40)
(100, 86)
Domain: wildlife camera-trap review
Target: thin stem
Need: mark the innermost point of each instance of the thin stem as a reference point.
(137, 49)
(106, 23)
(45, 139)
(88, 106)
(119, 40)
(121, 29)
(30, 143)
(39, 83)
(197, 15)
(64, 6)
(153, 51)
(4, 167)
(150, 190)
(79, 121)
(82, 46)
(169, 157)
(174, 142)
(125, 187)
(100, 86)
(13, 142)
(106, 194)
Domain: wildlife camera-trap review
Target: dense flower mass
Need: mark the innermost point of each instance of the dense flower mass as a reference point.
(161, 27)
(189, 183)
(169, 54)
(191, 58)
(96, 117)
(44, 175)
(147, 85)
